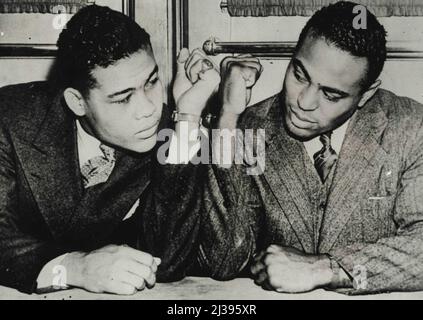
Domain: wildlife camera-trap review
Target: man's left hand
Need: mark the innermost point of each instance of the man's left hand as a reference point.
(291, 271)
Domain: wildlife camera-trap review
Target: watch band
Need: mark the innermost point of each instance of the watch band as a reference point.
(176, 116)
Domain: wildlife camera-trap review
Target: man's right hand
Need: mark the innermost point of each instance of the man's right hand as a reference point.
(239, 74)
(113, 269)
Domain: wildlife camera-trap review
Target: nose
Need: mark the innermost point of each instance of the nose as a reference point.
(307, 99)
(144, 107)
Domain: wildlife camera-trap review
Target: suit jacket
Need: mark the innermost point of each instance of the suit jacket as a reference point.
(373, 216)
(45, 211)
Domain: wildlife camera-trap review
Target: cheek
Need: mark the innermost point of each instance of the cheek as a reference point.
(156, 95)
(100, 118)
(110, 122)
(332, 114)
(292, 89)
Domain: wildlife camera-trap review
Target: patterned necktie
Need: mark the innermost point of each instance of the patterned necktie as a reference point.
(325, 158)
(98, 169)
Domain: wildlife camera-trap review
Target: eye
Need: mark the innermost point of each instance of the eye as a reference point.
(151, 83)
(124, 101)
(331, 97)
(299, 76)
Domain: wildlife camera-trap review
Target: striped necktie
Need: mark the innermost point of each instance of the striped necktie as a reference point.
(325, 158)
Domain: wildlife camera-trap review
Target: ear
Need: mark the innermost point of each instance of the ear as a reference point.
(75, 102)
(369, 93)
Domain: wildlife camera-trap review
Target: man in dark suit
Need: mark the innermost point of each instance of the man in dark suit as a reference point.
(340, 202)
(84, 201)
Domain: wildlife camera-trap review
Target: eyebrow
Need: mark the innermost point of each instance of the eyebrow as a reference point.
(299, 64)
(336, 91)
(113, 95)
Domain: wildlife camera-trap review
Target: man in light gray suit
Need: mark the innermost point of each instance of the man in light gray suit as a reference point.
(340, 202)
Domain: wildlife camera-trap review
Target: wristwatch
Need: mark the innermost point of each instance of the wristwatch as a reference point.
(176, 116)
(207, 122)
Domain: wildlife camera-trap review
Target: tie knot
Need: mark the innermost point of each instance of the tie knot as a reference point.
(325, 139)
(325, 158)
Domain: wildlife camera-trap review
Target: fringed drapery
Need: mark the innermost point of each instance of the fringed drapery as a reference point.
(264, 8)
(41, 6)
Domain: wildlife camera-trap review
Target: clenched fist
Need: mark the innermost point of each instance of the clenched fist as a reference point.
(239, 75)
(196, 80)
(113, 269)
(289, 270)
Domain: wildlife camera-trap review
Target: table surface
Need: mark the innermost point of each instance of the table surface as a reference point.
(194, 288)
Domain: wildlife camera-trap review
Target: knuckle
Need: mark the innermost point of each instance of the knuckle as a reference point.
(129, 290)
(197, 56)
(235, 67)
(275, 282)
(268, 259)
(272, 271)
(149, 259)
(141, 285)
(198, 50)
(111, 248)
(149, 273)
(120, 249)
(153, 277)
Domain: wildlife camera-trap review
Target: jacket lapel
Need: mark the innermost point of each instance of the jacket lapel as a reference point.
(361, 146)
(103, 207)
(51, 166)
(282, 175)
(49, 157)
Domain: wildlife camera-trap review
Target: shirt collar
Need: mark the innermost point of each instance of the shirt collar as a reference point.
(88, 146)
(338, 135)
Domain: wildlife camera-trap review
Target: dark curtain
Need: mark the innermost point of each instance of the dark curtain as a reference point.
(264, 8)
(41, 6)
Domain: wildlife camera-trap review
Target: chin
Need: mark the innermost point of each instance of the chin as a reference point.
(298, 133)
(144, 145)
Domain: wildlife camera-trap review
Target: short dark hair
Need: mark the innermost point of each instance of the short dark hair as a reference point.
(95, 36)
(334, 23)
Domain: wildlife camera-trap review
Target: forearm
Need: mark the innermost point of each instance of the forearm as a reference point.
(391, 264)
(20, 268)
(228, 120)
(227, 234)
(185, 141)
(223, 253)
(223, 150)
(171, 218)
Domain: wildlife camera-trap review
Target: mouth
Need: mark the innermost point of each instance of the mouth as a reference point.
(299, 121)
(148, 132)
